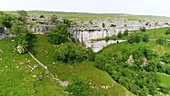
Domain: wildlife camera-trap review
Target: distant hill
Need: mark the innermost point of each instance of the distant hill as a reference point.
(81, 16)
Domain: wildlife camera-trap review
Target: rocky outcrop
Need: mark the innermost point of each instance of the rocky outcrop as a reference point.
(3, 34)
(40, 29)
(99, 45)
(113, 28)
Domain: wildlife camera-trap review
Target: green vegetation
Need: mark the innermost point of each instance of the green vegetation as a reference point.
(79, 87)
(126, 32)
(142, 29)
(23, 41)
(168, 31)
(59, 34)
(86, 70)
(145, 62)
(72, 53)
(137, 66)
(75, 16)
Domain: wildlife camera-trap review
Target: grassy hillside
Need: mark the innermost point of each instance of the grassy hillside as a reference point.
(17, 79)
(154, 34)
(44, 52)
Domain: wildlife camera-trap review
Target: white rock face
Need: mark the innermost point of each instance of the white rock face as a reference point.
(99, 45)
(95, 30)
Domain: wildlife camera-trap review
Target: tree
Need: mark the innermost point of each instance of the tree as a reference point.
(23, 40)
(60, 34)
(6, 20)
(145, 38)
(72, 53)
(22, 18)
(126, 32)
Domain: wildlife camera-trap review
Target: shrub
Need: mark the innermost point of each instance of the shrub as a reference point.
(103, 25)
(112, 25)
(145, 38)
(161, 40)
(42, 16)
(167, 31)
(142, 29)
(131, 39)
(101, 62)
(166, 58)
(120, 35)
(167, 71)
(164, 90)
(126, 32)
(151, 66)
(137, 38)
(107, 38)
(80, 87)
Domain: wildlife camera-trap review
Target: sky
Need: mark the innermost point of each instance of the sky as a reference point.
(136, 7)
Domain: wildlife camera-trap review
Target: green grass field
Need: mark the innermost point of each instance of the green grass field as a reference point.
(17, 79)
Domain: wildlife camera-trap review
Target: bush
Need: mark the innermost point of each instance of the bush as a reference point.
(120, 35)
(151, 66)
(103, 25)
(42, 16)
(131, 39)
(145, 38)
(167, 71)
(112, 25)
(167, 31)
(101, 62)
(126, 32)
(166, 58)
(142, 29)
(80, 87)
(164, 90)
(107, 38)
(137, 38)
(161, 40)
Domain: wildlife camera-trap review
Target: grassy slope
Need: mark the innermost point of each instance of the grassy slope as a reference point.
(160, 49)
(86, 70)
(20, 81)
